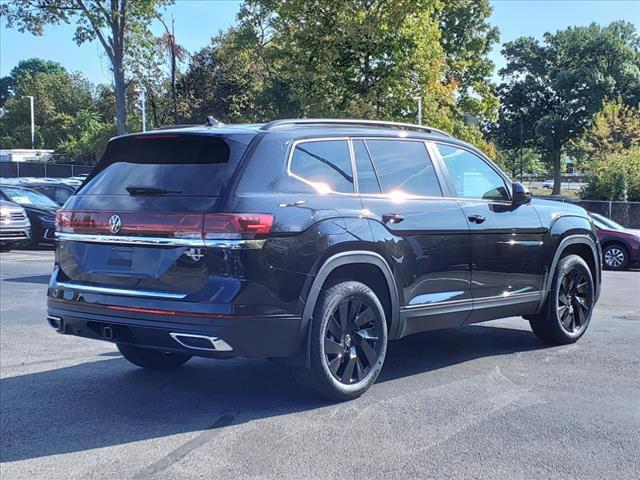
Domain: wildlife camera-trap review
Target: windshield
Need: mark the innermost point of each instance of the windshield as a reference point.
(26, 197)
(604, 222)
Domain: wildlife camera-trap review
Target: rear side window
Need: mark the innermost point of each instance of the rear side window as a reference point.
(185, 165)
(326, 163)
(404, 166)
(367, 180)
(472, 177)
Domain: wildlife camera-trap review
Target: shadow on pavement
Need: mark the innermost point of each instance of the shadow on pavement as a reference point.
(43, 279)
(110, 402)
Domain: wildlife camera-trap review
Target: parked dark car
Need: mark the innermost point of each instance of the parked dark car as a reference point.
(620, 245)
(312, 242)
(15, 228)
(40, 209)
(59, 192)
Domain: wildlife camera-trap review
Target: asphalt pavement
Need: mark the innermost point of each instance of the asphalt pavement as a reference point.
(487, 401)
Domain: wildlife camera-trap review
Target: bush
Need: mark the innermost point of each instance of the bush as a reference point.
(615, 177)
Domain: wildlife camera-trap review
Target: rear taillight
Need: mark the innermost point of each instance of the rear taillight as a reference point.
(167, 225)
(171, 225)
(236, 225)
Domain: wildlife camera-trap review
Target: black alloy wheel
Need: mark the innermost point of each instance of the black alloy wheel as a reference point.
(347, 342)
(351, 342)
(566, 314)
(574, 303)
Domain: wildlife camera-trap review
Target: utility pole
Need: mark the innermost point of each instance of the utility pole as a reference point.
(521, 142)
(33, 125)
(419, 100)
(142, 93)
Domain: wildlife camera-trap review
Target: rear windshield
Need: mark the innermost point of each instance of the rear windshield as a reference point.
(184, 165)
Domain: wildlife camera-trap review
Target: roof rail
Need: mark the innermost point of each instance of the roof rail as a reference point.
(366, 123)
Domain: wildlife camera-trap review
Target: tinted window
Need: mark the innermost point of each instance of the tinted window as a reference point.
(404, 166)
(187, 165)
(367, 180)
(325, 162)
(472, 177)
(61, 195)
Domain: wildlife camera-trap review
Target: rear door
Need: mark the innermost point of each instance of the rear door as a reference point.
(423, 231)
(507, 241)
(137, 222)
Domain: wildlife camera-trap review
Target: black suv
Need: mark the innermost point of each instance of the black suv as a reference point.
(314, 242)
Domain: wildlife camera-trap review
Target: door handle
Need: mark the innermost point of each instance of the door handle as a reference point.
(476, 218)
(392, 218)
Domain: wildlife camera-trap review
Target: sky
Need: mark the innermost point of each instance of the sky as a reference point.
(198, 20)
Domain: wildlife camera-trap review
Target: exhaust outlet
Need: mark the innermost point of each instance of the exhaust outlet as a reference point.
(201, 342)
(55, 322)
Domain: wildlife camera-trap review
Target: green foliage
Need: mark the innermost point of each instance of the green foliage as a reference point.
(552, 90)
(615, 177)
(614, 128)
(361, 59)
(66, 116)
(509, 161)
(111, 24)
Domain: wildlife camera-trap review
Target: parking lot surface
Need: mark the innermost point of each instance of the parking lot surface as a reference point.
(484, 401)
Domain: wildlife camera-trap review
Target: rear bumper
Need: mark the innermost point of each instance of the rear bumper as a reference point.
(267, 336)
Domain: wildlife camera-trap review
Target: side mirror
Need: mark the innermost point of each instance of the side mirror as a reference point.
(521, 195)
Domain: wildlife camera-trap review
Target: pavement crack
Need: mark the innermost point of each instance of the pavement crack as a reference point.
(186, 448)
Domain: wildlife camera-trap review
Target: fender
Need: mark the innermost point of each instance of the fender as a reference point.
(564, 243)
(348, 258)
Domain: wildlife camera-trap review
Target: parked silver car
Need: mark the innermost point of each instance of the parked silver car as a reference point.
(15, 227)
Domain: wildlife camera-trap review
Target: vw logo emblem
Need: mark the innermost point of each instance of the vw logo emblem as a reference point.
(115, 224)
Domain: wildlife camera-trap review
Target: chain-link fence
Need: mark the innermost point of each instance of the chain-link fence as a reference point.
(42, 169)
(625, 213)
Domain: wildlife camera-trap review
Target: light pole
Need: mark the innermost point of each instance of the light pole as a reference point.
(419, 100)
(141, 91)
(33, 125)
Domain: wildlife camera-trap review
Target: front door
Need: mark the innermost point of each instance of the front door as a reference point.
(507, 240)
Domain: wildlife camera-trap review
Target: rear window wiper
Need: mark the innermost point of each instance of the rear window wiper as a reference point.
(137, 190)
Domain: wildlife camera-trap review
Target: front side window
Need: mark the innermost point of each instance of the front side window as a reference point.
(404, 166)
(472, 177)
(325, 163)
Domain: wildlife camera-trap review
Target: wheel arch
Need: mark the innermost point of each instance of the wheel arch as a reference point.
(583, 246)
(337, 266)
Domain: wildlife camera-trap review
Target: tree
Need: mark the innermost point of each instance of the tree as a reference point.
(176, 53)
(614, 128)
(362, 59)
(555, 88)
(58, 96)
(109, 22)
(615, 177)
(25, 68)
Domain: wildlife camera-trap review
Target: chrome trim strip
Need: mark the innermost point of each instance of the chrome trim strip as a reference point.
(120, 291)
(217, 344)
(388, 196)
(125, 240)
(235, 244)
(478, 302)
(163, 242)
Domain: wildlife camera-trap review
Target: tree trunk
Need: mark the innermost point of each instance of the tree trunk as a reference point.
(121, 105)
(557, 178)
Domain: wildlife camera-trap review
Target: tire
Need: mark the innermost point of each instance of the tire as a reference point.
(567, 312)
(348, 342)
(615, 257)
(152, 359)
